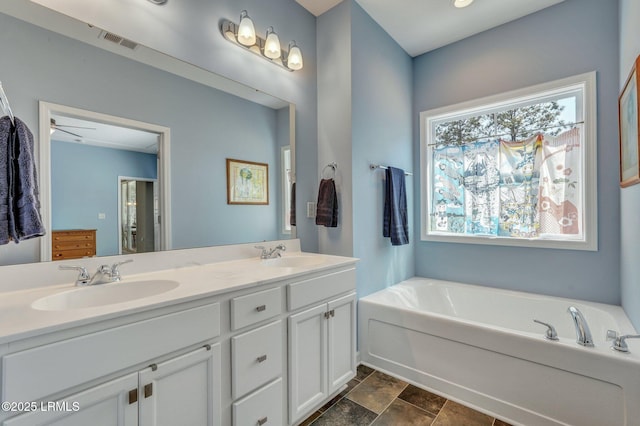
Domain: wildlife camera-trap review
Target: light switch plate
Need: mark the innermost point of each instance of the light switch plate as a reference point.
(311, 209)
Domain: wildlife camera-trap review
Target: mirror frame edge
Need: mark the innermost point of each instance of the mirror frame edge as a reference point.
(164, 165)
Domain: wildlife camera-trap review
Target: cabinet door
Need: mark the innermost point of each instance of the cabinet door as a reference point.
(183, 390)
(342, 341)
(104, 405)
(307, 360)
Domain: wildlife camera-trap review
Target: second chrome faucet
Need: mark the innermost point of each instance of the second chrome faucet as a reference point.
(583, 334)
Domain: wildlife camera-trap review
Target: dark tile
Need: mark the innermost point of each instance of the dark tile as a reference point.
(350, 385)
(377, 391)
(332, 401)
(403, 413)
(423, 399)
(311, 418)
(498, 422)
(346, 413)
(363, 372)
(454, 414)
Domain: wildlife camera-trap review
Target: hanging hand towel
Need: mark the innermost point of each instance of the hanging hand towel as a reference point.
(292, 208)
(5, 136)
(395, 223)
(24, 213)
(327, 208)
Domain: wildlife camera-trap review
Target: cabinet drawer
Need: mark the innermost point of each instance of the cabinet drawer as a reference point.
(73, 254)
(73, 245)
(255, 307)
(35, 373)
(261, 408)
(256, 358)
(66, 236)
(314, 290)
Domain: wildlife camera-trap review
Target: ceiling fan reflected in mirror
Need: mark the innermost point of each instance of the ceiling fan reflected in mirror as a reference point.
(55, 126)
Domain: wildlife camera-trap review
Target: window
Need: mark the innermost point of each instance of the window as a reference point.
(514, 169)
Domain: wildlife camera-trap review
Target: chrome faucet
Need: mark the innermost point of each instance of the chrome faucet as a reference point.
(583, 334)
(273, 252)
(104, 274)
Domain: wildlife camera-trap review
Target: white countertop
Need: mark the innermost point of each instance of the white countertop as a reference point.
(19, 320)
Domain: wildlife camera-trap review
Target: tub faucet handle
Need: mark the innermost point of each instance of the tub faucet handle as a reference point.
(551, 331)
(619, 342)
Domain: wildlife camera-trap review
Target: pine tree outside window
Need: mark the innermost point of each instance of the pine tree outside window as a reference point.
(514, 169)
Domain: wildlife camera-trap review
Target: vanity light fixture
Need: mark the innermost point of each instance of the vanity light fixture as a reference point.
(272, 45)
(246, 30)
(462, 3)
(269, 48)
(294, 58)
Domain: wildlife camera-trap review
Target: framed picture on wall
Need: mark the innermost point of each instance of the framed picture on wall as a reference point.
(628, 122)
(247, 182)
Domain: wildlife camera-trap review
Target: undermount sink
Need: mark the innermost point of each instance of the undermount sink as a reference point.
(293, 261)
(103, 294)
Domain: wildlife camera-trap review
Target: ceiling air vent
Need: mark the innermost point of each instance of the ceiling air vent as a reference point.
(114, 38)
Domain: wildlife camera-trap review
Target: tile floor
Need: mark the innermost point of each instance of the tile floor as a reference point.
(377, 399)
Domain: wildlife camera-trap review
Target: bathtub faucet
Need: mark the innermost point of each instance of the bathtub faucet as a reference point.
(583, 334)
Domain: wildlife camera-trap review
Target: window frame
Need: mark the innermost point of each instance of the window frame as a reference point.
(587, 84)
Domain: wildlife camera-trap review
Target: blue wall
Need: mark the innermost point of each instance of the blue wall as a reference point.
(573, 37)
(364, 117)
(84, 182)
(189, 30)
(381, 82)
(630, 196)
(334, 122)
(207, 126)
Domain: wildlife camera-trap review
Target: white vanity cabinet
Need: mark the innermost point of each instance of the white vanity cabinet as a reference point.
(163, 377)
(104, 405)
(322, 351)
(244, 354)
(175, 392)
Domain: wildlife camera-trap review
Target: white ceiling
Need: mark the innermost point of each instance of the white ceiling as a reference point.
(104, 135)
(420, 26)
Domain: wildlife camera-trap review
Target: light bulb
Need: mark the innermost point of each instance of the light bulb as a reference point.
(294, 60)
(272, 45)
(246, 30)
(462, 3)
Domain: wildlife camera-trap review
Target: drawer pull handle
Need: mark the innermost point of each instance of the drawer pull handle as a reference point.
(332, 312)
(207, 347)
(262, 358)
(148, 390)
(261, 308)
(133, 396)
(262, 421)
(153, 367)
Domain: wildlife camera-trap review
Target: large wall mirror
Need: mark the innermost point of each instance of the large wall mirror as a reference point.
(118, 126)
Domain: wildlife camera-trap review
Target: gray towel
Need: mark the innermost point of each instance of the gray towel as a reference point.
(395, 224)
(292, 210)
(327, 208)
(5, 136)
(18, 171)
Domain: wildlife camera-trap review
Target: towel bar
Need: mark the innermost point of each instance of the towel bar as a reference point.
(378, 166)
